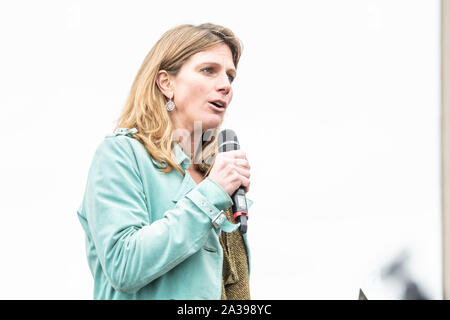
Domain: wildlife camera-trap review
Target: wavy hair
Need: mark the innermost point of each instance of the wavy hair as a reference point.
(145, 106)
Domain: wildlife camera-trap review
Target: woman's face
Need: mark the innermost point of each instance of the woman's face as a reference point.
(202, 81)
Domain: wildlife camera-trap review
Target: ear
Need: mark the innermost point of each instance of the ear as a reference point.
(164, 82)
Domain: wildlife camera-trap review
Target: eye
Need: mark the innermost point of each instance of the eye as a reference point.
(210, 70)
(207, 70)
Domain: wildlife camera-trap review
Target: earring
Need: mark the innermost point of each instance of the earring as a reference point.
(170, 105)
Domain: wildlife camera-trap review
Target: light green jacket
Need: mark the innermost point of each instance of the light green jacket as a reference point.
(150, 235)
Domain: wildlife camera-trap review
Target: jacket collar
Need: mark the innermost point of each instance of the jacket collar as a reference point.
(184, 161)
(180, 157)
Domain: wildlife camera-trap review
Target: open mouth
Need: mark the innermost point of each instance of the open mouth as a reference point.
(217, 106)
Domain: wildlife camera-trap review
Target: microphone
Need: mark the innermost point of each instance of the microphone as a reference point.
(228, 141)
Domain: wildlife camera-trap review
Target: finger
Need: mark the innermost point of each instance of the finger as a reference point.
(242, 163)
(237, 154)
(245, 182)
(247, 188)
(243, 172)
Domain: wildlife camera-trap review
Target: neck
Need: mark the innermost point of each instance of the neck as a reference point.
(185, 135)
(191, 145)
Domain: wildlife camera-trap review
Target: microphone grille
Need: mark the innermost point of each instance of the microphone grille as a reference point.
(228, 141)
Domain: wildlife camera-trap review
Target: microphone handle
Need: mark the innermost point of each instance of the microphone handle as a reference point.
(240, 209)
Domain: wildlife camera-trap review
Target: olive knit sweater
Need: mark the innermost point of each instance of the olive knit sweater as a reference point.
(235, 277)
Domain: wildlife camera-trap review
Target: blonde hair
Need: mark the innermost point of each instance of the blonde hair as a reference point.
(145, 107)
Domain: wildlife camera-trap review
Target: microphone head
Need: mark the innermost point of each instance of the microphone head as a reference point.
(228, 141)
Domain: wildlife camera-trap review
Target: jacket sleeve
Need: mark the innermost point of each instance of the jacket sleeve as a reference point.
(132, 251)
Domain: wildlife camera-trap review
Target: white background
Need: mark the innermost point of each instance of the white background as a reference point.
(336, 103)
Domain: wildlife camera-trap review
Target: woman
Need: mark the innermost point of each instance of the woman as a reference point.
(157, 219)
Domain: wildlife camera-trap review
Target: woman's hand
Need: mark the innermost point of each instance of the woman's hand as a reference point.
(231, 170)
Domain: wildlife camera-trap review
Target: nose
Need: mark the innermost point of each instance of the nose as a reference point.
(224, 85)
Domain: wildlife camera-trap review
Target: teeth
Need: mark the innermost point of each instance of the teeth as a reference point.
(217, 104)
